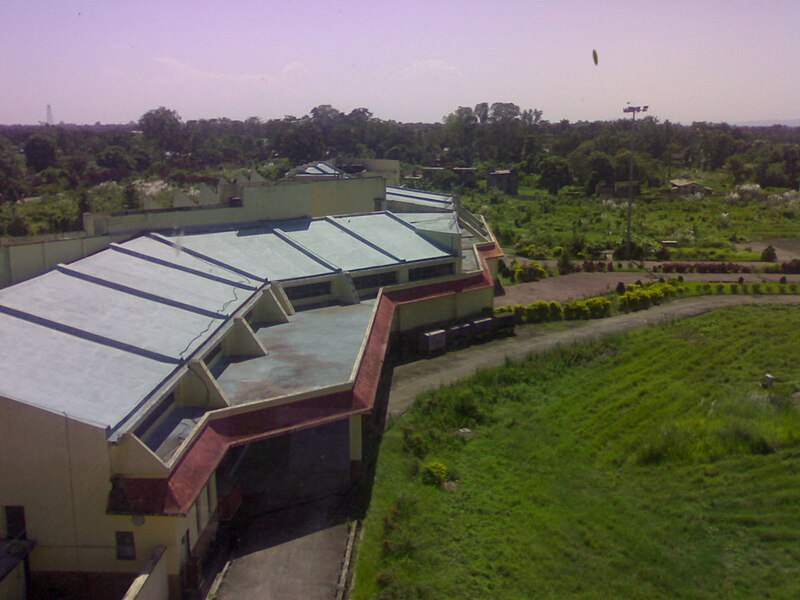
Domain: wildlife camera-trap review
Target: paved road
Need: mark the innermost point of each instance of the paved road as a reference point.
(290, 554)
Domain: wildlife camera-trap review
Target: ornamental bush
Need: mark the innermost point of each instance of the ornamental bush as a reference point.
(598, 307)
(555, 311)
(538, 312)
(435, 473)
(576, 310)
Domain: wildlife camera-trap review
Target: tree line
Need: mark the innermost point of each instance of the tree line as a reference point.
(65, 162)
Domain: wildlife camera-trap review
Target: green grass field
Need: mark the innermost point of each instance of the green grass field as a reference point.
(650, 465)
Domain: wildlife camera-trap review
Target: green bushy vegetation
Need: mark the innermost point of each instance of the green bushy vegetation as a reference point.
(538, 225)
(649, 465)
(633, 298)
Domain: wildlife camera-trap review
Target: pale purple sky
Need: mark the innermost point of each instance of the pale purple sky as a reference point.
(110, 61)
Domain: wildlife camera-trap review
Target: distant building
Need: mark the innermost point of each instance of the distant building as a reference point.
(505, 180)
(687, 187)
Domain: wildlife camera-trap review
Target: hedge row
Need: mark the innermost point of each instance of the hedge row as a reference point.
(543, 311)
(634, 298)
(702, 267)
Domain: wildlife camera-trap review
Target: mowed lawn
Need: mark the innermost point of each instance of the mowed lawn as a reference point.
(649, 465)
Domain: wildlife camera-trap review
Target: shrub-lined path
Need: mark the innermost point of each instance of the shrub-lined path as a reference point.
(576, 286)
(410, 380)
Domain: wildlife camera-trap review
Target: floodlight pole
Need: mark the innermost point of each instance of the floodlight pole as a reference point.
(633, 110)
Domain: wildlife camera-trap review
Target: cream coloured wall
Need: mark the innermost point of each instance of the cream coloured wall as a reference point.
(417, 314)
(241, 341)
(473, 302)
(130, 457)
(59, 470)
(55, 468)
(449, 307)
(151, 583)
(22, 261)
(261, 201)
(268, 307)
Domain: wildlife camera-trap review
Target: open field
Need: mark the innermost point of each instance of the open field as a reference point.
(646, 465)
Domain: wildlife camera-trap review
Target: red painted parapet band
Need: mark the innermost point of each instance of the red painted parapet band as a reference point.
(174, 495)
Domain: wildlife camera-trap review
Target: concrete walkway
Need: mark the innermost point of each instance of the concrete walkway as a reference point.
(293, 553)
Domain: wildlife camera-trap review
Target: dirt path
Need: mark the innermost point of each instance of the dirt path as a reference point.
(582, 285)
(409, 380)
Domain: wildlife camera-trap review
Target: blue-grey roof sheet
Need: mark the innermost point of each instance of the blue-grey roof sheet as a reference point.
(338, 247)
(419, 197)
(66, 374)
(321, 169)
(257, 251)
(108, 313)
(157, 280)
(391, 235)
(150, 247)
(93, 339)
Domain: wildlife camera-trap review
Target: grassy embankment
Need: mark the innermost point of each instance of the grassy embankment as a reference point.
(650, 465)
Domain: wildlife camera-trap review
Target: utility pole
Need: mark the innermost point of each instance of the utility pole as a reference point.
(633, 110)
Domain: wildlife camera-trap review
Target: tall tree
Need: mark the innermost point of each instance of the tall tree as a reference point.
(40, 152)
(554, 173)
(163, 128)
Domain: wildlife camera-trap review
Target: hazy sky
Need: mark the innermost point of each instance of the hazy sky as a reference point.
(111, 61)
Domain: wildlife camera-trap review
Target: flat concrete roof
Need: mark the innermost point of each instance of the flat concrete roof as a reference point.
(316, 348)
